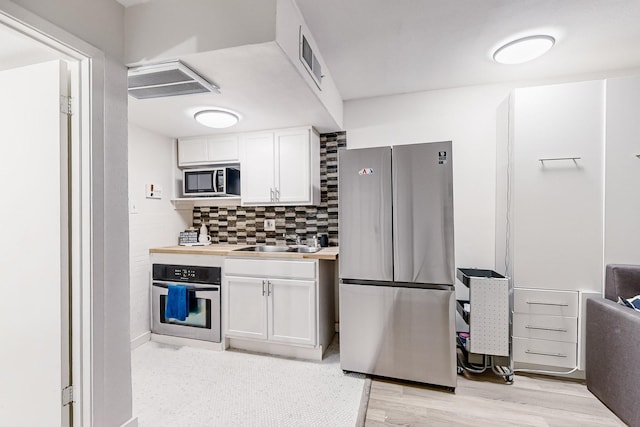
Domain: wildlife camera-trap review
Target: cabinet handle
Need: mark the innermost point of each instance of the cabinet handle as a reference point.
(638, 156)
(548, 303)
(545, 329)
(277, 195)
(546, 354)
(272, 194)
(269, 288)
(263, 292)
(553, 159)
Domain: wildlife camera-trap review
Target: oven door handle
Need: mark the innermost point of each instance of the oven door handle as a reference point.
(211, 288)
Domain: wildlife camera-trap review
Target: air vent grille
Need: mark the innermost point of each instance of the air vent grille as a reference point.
(166, 79)
(310, 61)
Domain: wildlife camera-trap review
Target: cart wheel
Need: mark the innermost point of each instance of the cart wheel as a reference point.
(460, 370)
(508, 379)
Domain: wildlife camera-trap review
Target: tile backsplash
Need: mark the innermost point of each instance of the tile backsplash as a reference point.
(245, 224)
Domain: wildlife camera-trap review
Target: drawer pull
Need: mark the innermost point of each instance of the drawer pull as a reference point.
(546, 354)
(548, 303)
(546, 329)
(553, 159)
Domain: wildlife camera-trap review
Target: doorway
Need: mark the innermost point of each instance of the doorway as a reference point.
(44, 219)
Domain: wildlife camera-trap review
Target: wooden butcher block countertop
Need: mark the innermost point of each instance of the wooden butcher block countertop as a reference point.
(330, 253)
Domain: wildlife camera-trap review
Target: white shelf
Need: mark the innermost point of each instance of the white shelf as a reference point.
(190, 202)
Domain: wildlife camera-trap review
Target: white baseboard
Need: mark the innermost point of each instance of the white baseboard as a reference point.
(141, 339)
(179, 341)
(277, 349)
(133, 422)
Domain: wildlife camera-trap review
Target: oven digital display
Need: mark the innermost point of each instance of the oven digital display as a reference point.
(184, 273)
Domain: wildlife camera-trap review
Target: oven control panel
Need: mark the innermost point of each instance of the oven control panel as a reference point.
(186, 273)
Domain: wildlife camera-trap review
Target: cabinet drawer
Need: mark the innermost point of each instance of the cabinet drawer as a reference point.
(543, 352)
(271, 268)
(554, 303)
(555, 328)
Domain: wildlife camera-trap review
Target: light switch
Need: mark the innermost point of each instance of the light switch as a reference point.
(153, 191)
(269, 225)
(133, 206)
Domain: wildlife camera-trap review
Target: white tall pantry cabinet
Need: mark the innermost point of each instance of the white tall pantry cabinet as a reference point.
(566, 206)
(622, 178)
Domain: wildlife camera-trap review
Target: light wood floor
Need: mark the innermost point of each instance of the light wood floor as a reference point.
(485, 400)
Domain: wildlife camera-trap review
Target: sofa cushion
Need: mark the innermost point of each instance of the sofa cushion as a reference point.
(622, 281)
(633, 303)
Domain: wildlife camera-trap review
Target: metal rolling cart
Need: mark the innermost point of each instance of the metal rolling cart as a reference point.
(488, 314)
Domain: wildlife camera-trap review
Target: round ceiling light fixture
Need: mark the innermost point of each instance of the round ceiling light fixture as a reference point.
(524, 49)
(217, 118)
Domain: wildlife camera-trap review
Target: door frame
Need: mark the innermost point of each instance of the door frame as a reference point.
(86, 179)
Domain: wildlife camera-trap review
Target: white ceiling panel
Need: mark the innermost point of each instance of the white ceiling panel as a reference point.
(382, 47)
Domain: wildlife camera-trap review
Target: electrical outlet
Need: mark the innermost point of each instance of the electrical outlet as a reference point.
(269, 225)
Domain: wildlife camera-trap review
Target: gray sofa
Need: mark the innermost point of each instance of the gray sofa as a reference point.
(613, 345)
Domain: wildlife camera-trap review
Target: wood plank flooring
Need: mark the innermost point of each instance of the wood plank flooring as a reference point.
(485, 400)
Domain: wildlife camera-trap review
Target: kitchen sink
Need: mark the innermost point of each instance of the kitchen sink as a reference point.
(264, 248)
(306, 249)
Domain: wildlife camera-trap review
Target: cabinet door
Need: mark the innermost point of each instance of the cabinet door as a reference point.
(257, 158)
(246, 307)
(223, 149)
(293, 166)
(557, 204)
(622, 200)
(292, 311)
(192, 151)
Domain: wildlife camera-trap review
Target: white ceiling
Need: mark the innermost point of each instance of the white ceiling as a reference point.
(257, 81)
(382, 47)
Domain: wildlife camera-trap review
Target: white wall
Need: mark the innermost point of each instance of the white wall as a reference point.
(101, 24)
(157, 223)
(466, 116)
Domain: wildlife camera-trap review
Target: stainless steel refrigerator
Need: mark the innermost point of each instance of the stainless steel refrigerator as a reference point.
(397, 271)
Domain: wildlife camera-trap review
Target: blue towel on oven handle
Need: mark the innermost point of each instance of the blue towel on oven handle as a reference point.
(177, 305)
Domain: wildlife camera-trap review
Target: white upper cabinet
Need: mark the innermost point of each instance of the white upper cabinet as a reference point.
(281, 167)
(208, 150)
(293, 166)
(622, 198)
(258, 168)
(557, 191)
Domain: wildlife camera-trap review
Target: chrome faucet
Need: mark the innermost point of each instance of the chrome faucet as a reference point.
(295, 237)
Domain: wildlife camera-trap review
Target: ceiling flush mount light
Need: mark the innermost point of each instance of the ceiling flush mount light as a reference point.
(218, 119)
(524, 49)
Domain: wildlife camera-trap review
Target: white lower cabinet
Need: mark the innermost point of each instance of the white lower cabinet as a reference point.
(246, 307)
(545, 327)
(279, 302)
(291, 311)
(278, 310)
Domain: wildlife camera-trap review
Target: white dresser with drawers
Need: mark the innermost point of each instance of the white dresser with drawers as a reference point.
(545, 327)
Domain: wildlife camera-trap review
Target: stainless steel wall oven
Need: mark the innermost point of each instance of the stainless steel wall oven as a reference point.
(203, 292)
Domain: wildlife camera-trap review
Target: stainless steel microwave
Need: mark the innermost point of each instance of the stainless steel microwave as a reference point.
(211, 182)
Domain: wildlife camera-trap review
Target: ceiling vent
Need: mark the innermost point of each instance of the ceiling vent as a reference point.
(166, 79)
